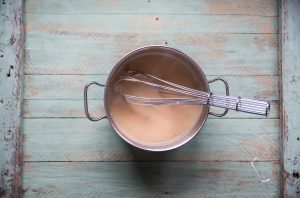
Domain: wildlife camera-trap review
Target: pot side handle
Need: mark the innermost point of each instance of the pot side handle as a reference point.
(227, 94)
(86, 107)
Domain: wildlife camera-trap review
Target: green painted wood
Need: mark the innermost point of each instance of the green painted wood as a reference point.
(194, 7)
(80, 41)
(71, 86)
(290, 97)
(11, 76)
(97, 53)
(135, 179)
(74, 109)
(122, 23)
(82, 140)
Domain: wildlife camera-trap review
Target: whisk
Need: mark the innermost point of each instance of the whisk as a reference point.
(184, 95)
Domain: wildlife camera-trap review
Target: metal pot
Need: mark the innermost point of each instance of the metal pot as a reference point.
(156, 55)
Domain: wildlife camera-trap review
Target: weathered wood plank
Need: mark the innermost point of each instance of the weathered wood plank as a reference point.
(135, 179)
(11, 75)
(111, 23)
(74, 109)
(71, 38)
(71, 86)
(290, 97)
(83, 140)
(97, 53)
(254, 7)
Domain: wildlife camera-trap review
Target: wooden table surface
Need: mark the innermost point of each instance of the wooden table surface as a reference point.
(69, 43)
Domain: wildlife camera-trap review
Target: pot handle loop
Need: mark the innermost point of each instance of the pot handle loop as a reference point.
(86, 107)
(227, 94)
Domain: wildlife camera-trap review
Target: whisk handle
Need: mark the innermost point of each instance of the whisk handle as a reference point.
(258, 107)
(227, 102)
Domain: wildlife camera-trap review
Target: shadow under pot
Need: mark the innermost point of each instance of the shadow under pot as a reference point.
(164, 127)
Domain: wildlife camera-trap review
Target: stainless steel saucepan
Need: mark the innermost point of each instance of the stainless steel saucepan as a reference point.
(173, 65)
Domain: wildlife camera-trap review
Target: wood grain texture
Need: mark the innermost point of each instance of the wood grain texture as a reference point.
(122, 23)
(191, 7)
(70, 43)
(11, 76)
(74, 109)
(82, 140)
(97, 53)
(150, 179)
(71, 86)
(290, 98)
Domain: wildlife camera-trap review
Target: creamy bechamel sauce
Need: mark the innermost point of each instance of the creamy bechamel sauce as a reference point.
(153, 125)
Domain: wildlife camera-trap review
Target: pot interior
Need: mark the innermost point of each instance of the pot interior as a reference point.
(156, 128)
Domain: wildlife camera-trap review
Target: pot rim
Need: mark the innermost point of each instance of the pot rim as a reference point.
(114, 126)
